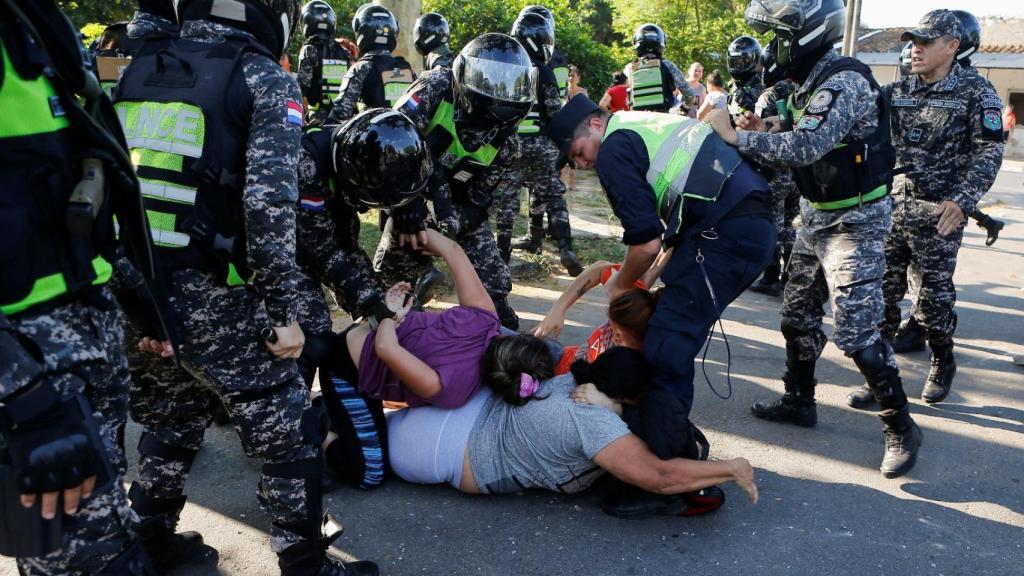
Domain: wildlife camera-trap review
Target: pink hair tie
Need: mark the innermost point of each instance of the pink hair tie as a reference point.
(527, 385)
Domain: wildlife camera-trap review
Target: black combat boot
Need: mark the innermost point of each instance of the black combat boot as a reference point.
(909, 338)
(563, 235)
(940, 377)
(533, 241)
(423, 291)
(902, 436)
(309, 557)
(991, 227)
(902, 440)
(797, 405)
(168, 549)
(504, 240)
(861, 398)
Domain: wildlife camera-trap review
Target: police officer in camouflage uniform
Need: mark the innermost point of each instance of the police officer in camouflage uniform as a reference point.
(842, 159)
(911, 336)
(652, 78)
(743, 60)
(785, 196)
(376, 160)
(947, 129)
(63, 374)
(536, 166)
(323, 61)
(468, 115)
(377, 79)
(214, 123)
(431, 37)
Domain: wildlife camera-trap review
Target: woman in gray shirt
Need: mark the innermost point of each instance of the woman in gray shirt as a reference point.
(491, 447)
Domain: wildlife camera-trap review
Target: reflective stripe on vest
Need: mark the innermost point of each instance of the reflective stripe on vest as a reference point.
(562, 76)
(49, 287)
(444, 117)
(680, 163)
(331, 74)
(32, 107)
(646, 88)
(163, 135)
(396, 82)
(29, 105)
(530, 124)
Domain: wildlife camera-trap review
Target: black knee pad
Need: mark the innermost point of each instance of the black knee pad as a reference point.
(871, 360)
(150, 445)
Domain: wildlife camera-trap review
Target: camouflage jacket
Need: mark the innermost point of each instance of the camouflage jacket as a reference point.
(949, 134)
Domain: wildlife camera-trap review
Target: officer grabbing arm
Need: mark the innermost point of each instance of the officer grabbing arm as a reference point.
(842, 160)
(377, 160)
(377, 79)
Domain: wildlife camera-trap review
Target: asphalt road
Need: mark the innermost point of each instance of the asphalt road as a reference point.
(824, 507)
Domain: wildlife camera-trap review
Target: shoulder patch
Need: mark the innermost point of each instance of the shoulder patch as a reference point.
(992, 120)
(809, 122)
(832, 85)
(821, 102)
(990, 100)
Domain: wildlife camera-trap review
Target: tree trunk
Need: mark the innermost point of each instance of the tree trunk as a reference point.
(406, 12)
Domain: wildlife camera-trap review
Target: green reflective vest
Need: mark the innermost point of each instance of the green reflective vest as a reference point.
(452, 159)
(32, 108)
(562, 76)
(332, 72)
(686, 159)
(647, 88)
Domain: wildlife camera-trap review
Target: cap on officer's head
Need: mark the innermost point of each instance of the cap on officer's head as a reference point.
(563, 125)
(935, 24)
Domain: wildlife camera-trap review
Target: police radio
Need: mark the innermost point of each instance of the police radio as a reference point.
(86, 198)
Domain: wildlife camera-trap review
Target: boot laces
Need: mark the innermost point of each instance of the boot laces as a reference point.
(893, 441)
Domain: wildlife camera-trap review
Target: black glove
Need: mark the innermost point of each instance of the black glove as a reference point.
(411, 218)
(51, 442)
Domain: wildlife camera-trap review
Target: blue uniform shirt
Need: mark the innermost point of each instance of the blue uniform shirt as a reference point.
(622, 165)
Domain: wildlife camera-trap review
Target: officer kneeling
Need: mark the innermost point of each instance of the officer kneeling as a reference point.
(673, 183)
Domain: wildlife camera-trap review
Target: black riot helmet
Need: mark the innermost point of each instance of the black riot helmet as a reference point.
(494, 80)
(380, 159)
(537, 35)
(431, 33)
(743, 59)
(375, 27)
(648, 39)
(543, 11)
(318, 20)
(970, 36)
(803, 27)
(905, 59)
(272, 22)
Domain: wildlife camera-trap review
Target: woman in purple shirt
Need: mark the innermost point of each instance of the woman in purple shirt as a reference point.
(423, 358)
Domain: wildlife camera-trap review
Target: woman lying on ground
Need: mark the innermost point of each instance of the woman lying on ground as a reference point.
(627, 315)
(420, 358)
(489, 446)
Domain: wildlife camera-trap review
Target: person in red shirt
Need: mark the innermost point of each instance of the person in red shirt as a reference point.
(614, 99)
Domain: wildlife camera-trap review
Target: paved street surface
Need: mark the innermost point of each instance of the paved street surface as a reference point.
(824, 507)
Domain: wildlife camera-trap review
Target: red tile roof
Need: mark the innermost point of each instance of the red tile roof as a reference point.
(999, 35)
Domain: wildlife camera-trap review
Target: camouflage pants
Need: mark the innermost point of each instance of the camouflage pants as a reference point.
(535, 170)
(396, 264)
(785, 207)
(844, 264)
(915, 249)
(82, 349)
(265, 398)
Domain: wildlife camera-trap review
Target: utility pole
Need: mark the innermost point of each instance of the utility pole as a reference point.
(852, 28)
(406, 12)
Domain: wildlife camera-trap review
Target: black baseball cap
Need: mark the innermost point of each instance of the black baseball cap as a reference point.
(933, 25)
(563, 125)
